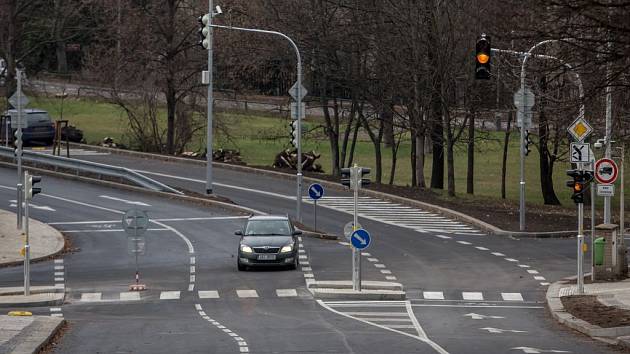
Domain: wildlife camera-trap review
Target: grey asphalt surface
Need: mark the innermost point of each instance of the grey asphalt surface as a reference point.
(421, 262)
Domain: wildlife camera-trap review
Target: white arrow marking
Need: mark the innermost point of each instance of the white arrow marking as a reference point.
(34, 206)
(125, 201)
(316, 192)
(499, 330)
(361, 239)
(476, 316)
(538, 351)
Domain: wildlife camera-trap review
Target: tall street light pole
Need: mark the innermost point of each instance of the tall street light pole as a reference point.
(298, 108)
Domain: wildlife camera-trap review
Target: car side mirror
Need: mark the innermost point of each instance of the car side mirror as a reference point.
(297, 232)
(238, 233)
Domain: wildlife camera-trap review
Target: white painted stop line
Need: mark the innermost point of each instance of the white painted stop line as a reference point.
(512, 296)
(169, 295)
(472, 296)
(433, 295)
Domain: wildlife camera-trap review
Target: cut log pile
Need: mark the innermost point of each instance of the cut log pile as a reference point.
(288, 159)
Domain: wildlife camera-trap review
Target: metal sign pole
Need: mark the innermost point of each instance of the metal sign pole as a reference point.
(593, 224)
(356, 254)
(18, 144)
(135, 238)
(315, 214)
(209, 142)
(622, 221)
(27, 248)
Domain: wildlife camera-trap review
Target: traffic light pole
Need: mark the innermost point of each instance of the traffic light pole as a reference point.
(27, 246)
(580, 255)
(209, 141)
(18, 143)
(299, 176)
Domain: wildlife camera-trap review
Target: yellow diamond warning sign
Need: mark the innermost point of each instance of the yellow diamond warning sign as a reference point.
(580, 129)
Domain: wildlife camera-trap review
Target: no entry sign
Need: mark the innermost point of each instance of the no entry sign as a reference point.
(606, 171)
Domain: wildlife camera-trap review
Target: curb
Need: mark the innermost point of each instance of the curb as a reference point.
(613, 335)
(484, 226)
(33, 338)
(370, 290)
(46, 299)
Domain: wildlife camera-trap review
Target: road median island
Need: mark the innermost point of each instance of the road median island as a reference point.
(482, 214)
(370, 290)
(27, 334)
(602, 313)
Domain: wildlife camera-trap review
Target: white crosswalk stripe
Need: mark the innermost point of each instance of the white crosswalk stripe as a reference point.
(169, 295)
(455, 296)
(247, 293)
(399, 215)
(177, 295)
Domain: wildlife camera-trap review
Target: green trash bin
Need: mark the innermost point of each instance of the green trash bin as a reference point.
(598, 251)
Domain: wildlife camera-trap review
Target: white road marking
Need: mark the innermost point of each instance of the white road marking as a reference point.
(532, 271)
(130, 202)
(379, 265)
(511, 260)
(246, 293)
(286, 292)
(13, 204)
(472, 296)
(55, 309)
(192, 269)
(307, 269)
(366, 254)
(475, 316)
(309, 275)
(59, 267)
(523, 265)
(444, 237)
(192, 278)
(198, 307)
(343, 243)
(499, 330)
(59, 274)
(530, 350)
(191, 287)
(169, 295)
(482, 248)
(544, 283)
(373, 259)
(242, 344)
(538, 277)
(433, 295)
(129, 296)
(498, 254)
(58, 261)
(512, 296)
(88, 297)
(107, 230)
(302, 256)
(464, 243)
(390, 277)
(162, 220)
(304, 263)
(208, 294)
(56, 315)
(192, 260)
(385, 271)
(59, 279)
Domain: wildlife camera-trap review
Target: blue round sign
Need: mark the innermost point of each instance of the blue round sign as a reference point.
(315, 191)
(360, 239)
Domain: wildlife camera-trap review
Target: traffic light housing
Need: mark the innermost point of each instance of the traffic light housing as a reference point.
(483, 56)
(30, 188)
(204, 31)
(578, 184)
(527, 142)
(294, 133)
(345, 177)
(364, 171)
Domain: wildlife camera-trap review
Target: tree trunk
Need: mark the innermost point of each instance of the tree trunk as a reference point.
(546, 165)
(437, 137)
(414, 172)
(450, 162)
(420, 142)
(387, 116)
(62, 61)
(170, 116)
(506, 143)
(470, 175)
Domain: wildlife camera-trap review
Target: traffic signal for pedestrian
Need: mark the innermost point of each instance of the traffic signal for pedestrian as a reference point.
(204, 31)
(578, 184)
(30, 189)
(364, 171)
(294, 133)
(527, 142)
(483, 51)
(345, 177)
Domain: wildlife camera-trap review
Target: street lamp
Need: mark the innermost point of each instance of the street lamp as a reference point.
(299, 112)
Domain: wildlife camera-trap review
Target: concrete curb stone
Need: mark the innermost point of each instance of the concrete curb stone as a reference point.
(486, 227)
(33, 300)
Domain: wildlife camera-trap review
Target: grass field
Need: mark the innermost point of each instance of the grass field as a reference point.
(259, 138)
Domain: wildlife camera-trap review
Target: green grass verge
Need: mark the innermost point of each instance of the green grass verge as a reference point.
(259, 138)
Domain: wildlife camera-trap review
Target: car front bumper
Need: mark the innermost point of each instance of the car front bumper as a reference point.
(252, 259)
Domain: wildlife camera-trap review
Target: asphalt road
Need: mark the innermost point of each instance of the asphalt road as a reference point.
(468, 292)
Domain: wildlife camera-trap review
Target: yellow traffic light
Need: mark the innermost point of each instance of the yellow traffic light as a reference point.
(483, 58)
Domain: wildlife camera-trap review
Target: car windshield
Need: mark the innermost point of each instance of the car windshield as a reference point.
(39, 117)
(267, 227)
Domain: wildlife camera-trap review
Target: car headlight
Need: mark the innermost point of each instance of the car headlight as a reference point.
(287, 248)
(246, 249)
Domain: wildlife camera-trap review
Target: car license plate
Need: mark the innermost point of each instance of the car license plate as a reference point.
(266, 257)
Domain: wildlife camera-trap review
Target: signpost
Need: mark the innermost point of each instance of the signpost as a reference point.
(580, 130)
(19, 101)
(315, 191)
(135, 223)
(298, 92)
(524, 101)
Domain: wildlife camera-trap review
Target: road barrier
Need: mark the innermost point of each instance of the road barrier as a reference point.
(89, 167)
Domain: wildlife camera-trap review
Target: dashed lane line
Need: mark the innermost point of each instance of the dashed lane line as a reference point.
(242, 344)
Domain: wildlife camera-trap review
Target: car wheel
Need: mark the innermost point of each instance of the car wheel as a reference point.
(295, 264)
(241, 267)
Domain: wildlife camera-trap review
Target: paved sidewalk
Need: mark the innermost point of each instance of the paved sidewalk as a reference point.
(26, 334)
(613, 294)
(45, 240)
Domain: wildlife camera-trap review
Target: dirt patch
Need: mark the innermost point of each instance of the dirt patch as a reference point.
(54, 341)
(587, 308)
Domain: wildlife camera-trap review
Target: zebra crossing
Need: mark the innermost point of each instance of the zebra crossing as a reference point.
(130, 296)
(399, 215)
(465, 296)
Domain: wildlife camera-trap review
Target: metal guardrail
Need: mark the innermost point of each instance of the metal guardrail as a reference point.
(90, 167)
